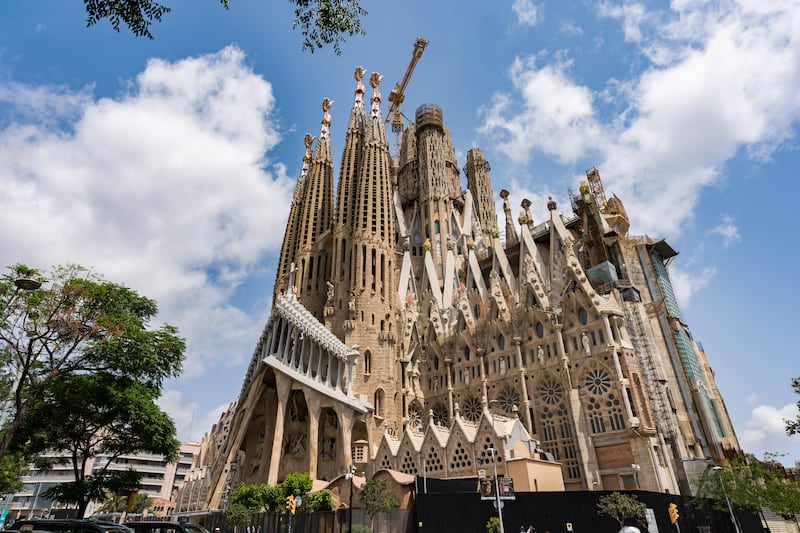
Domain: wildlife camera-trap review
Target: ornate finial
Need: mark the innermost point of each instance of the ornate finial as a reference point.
(426, 245)
(307, 140)
(326, 117)
(584, 188)
(504, 194)
(551, 204)
(525, 204)
(359, 92)
(375, 81)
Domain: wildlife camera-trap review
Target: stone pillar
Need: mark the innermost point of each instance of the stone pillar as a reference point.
(346, 419)
(526, 403)
(283, 384)
(313, 403)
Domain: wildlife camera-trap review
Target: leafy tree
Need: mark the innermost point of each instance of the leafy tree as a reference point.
(322, 500)
(621, 507)
(76, 322)
(238, 515)
(493, 525)
(249, 496)
(738, 483)
(273, 498)
(85, 414)
(376, 497)
(297, 484)
(793, 426)
(12, 466)
(258, 497)
(322, 22)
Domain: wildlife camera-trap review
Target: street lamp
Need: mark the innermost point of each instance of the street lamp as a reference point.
(497, 501)
(350, 476)
(635, 469)
(718, 470)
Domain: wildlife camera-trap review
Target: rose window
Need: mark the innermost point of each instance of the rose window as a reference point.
(598, 381)
(415, 415)
(441, 417)
(552, 392)
(472, 409)
(509, 397)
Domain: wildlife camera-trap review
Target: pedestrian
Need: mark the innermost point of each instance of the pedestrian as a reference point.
(521, 529)
(531, 529)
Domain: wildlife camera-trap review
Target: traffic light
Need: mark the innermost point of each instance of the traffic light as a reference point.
(673, 513)
(290, 506)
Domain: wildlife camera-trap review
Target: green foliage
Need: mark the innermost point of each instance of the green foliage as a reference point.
(78, 323)
(621, 507)
(83, 414)
(250, 497)
(274, 498)
(322, 22)
(12, 466)
(793, 426)
(493, 525)
(751, 484)
(93, 488)
(258, 497)
(738, 483)
(325, 22)
(375, 497)
(322, 500)
(297, 484)
(238, 515)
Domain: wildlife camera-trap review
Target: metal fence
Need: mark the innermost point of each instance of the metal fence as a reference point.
(397, 521)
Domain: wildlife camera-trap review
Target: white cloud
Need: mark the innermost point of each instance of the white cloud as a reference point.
(189, 422)
(686, 284)
(528, 13)
(721, 82)
(165, 188)
(727, 229)
(569, 27)
(765, 430)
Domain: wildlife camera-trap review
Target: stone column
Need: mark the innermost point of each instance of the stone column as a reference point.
(283, 384)
(313, 403)
(526, 403)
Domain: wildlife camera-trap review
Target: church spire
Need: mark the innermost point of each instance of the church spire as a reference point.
(289, 246)
(313, 261)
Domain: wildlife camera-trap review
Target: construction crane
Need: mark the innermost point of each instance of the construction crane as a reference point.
(398, 94)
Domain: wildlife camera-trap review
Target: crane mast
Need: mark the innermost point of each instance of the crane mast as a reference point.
(398, 93)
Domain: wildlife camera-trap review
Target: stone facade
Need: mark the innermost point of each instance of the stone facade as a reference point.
(421, 338)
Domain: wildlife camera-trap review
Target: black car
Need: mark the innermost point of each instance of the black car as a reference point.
(68, 526)
(154, 526)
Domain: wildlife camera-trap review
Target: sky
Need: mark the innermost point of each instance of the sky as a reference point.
(168, 164)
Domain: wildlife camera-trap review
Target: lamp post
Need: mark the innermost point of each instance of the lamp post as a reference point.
(350, 476)
(497, 501)
(635, 469)
(718, 470)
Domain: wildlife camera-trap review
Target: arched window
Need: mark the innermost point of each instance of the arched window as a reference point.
(379, 403)
(367, 363)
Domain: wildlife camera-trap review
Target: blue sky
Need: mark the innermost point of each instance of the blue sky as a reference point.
(168, 164)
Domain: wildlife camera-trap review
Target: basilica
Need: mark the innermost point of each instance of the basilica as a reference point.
(416, 329)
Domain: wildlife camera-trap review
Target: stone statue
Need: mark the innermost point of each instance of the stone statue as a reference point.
(329, 301)
(540, 355)
(587, 346)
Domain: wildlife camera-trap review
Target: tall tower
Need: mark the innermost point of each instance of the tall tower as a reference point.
(371, 302)
(313, 259)
(289, 245)
(336, 308)
(428, 181)
(477, 171)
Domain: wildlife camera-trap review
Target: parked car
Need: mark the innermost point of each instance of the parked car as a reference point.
(155, 526)
(68, 526)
